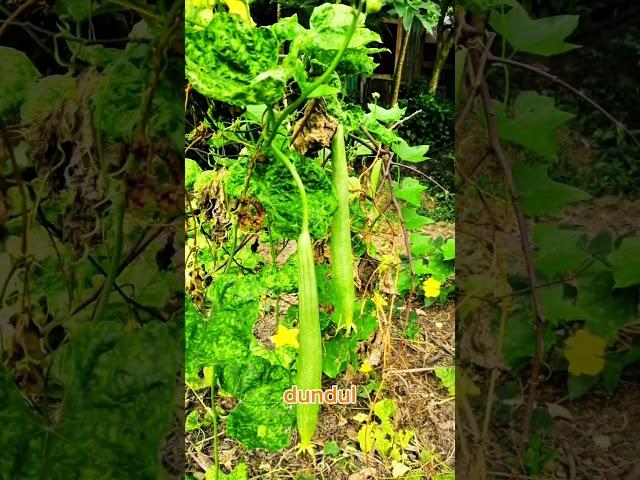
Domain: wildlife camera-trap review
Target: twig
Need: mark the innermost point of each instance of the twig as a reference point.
(72, 38)
(400, 122)
(14, 15)
(415, 170)
(412, 370)
(525, 240)
(362, 141)
(405, 234)
(477, 80)
(571, 88)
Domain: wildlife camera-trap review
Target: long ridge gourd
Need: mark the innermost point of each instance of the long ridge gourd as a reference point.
(341, 253)
(309, 374)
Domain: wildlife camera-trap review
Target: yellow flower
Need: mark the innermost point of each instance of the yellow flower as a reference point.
(366, 367)
(431, 287)
(585, 353)
(286, 336)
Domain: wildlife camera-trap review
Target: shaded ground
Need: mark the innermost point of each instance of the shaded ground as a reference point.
(595, 437)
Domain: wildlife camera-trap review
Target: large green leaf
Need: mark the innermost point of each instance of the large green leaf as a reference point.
(224, 336)
(191, 172)
(557, 308)
(425, 12)
(540, 194)
(409, 154)
(239, 378)
(18, 73)
(410, 190)
(520, 338)
(413, 220)
(45, 96)
(386, 115)
(533, 124)
(116, 408)
(231, 61)
(558, 250)
(543, 36)
(606, 310)
(276, 190)
(329, 24)
(262, 419)
(625, 262)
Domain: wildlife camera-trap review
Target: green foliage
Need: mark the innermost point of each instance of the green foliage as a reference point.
(231, 61)
(241, 472)
(332, 449)
(432, 258)
(224, 336)
(262, 419)
(249, 189)
(543, 36)
(45, 96)
(276, 191)
(447, 375)
(96, 382)
(539, 455)
(413, 328)
(593, 295)
(534, 123)
(409, 11)
(191, 173)
(433, 126)
(328, 26)
(18, 74)
(410, 190)
(341, 350)
(381, 436)
(540, 194)
(625, 262)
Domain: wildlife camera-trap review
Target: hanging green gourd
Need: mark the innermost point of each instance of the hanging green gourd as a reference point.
(341, 254)
(309, 374)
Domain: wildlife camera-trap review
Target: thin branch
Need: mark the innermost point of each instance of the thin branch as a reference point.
(405, 234)
(477, 80)
(14, 15)
(362, 141)
(72, 38)
(526, 244)
(415, 170)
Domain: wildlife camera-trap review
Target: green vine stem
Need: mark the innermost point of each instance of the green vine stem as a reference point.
(119, 204)
(234, 244)
(322, 79)
(303, 194)
(214, 417)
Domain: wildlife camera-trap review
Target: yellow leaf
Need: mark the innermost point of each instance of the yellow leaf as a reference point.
(360, 417)
(286, 336)
(431, 287)
(238, 7)
(399, 469)
(379, 301)
(585, 353)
